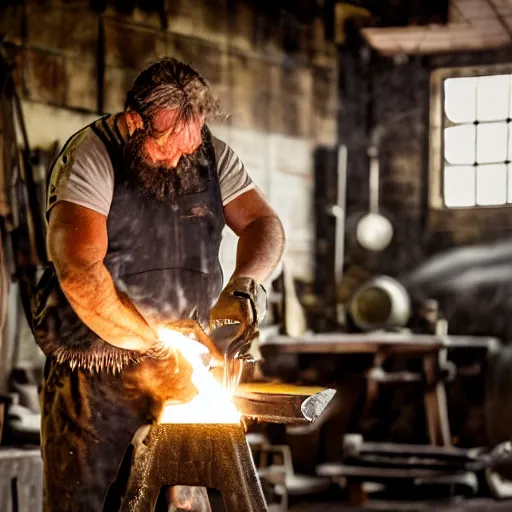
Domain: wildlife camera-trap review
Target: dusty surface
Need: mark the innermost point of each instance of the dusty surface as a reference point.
(473, 505)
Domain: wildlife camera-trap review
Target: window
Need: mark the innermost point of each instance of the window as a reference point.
(474, 146)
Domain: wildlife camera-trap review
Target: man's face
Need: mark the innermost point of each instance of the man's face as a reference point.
(169, 140)
(163, 156)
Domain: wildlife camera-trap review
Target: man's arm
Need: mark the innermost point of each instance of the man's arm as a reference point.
(77, 243)
(260, 248)
(261, 235)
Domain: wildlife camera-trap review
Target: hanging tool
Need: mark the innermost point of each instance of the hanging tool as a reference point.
(374, 231)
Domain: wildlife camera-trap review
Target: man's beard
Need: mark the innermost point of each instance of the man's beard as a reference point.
(162, 182)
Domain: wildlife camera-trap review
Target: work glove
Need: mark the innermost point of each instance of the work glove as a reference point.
(243, 303)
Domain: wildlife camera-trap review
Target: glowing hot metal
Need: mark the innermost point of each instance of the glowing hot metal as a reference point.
(213, 403)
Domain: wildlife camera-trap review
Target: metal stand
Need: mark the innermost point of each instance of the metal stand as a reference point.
(203, 455)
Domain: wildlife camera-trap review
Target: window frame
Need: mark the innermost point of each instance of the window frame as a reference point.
(436, 126)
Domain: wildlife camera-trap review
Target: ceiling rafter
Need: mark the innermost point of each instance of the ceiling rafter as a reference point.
(472, 25)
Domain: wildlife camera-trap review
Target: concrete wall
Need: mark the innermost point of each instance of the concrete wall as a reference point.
(275, 74)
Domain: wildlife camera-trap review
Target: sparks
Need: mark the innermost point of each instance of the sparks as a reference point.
(213, 403)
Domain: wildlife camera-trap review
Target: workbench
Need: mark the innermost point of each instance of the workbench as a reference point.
(432, 349)
(436, 369)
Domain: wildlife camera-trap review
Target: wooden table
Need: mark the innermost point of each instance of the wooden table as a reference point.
(431, 348)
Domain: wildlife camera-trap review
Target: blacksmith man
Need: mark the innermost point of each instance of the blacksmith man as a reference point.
(137, 202)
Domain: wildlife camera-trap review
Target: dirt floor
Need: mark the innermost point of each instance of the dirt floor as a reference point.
(406, 501)
(472, 505)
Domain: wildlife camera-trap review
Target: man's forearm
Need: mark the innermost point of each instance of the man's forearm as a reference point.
(110, 314)
(260, 249)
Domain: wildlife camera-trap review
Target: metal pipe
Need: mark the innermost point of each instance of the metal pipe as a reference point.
(339, 212)
(374, 179)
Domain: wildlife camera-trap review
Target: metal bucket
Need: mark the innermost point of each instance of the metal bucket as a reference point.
(382, 302)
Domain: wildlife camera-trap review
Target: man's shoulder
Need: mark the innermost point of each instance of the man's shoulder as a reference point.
(218, 145)
(83, 163)
(82, 147)
(81, 144)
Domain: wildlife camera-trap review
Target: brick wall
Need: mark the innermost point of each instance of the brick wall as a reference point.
(398, 103)
(376, 94)
(399, 106)
(273, 70)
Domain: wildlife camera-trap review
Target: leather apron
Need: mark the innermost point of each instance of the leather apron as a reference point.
(94, 397)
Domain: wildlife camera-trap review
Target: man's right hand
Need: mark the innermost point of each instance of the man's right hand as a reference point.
(236, 315)
(159, 351)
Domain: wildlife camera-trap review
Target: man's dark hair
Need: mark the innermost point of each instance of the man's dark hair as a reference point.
(169, 83)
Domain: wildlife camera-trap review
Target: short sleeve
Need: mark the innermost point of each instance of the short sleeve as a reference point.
(233, 177)
(83, 174)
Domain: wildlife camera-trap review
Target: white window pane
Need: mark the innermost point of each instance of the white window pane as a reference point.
(492, 97)
(509, 154)
(491, 184)
(509, 193)
(459, 144)
(460, 99)
(491, 142)
(459, 185)
(510, 97)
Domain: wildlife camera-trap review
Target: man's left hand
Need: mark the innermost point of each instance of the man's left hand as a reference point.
(243, 301)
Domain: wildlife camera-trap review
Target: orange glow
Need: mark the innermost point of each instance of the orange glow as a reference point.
(213, 403)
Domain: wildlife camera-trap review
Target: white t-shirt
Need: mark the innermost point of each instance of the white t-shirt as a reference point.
(84, 175)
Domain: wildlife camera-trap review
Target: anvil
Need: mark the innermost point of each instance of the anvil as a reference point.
(205, 455)
(216, 455)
